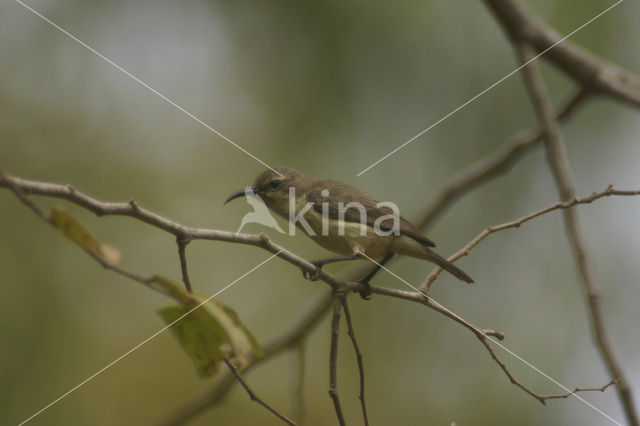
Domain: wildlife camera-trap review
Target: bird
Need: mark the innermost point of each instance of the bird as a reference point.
(344, 220)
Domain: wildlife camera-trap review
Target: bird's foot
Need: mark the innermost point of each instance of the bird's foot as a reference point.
(365, 294)
(313, 276)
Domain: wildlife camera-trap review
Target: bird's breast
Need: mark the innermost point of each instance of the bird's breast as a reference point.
(345, 238)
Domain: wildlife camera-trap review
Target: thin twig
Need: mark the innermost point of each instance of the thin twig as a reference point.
(559, 164)
(182, 241)
(20, 193)
(9, 182)
(482, 334)
(253, 396)
(333, 356)
(356, 348)
(588, 70)
(566, 205)
(576, 390)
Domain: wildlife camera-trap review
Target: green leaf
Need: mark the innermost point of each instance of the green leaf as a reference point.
(72, 229)
(201, 339)
(210, 332)
(244, 345)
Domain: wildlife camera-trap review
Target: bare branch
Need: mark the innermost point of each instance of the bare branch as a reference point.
(564, 181)
(9, 182)
(253, 396)
(576, 390)
(356, 348)
(182, 242)
(589, 71)
(20, 193)
(566, 205)
(333, 356)
(482, 334)
(132, 209)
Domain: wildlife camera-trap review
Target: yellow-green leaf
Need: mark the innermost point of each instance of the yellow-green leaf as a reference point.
(202, 339)
(209, 333)
(72, 229)
(244, 345)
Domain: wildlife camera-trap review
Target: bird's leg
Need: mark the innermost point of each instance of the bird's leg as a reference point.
(320, 263)
(366, 293)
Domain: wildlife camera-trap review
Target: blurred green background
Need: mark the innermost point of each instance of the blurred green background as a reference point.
(327, 87)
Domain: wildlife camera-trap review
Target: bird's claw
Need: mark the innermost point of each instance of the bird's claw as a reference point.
(315, 275)
(365, 293)
(365, 296)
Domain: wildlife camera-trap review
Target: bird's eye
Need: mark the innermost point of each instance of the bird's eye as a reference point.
(274, 183)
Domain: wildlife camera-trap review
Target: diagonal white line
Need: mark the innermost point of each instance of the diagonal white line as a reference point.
(144, 341)
(518, 357)
(491, 87)
(127, 73)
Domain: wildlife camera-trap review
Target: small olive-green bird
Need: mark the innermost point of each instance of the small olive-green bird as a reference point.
(319, 211)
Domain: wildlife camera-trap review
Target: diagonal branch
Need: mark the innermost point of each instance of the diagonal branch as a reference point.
(20, 193)
(566, 205)
(588, 70)
(253, 396)
(132, 209)
(564, 181)
(482, 335)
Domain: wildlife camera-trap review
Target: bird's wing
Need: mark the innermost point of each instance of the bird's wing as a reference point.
(340, 192)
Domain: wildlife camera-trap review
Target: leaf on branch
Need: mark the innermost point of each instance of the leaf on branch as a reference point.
(210, 332)
(72, 229)
(244, 344)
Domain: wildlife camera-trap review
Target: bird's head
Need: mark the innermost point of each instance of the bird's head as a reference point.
(272, 186)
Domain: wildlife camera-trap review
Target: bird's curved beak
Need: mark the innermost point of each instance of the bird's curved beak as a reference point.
(237, 194)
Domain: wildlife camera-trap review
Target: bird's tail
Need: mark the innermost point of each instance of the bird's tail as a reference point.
(449, 267)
